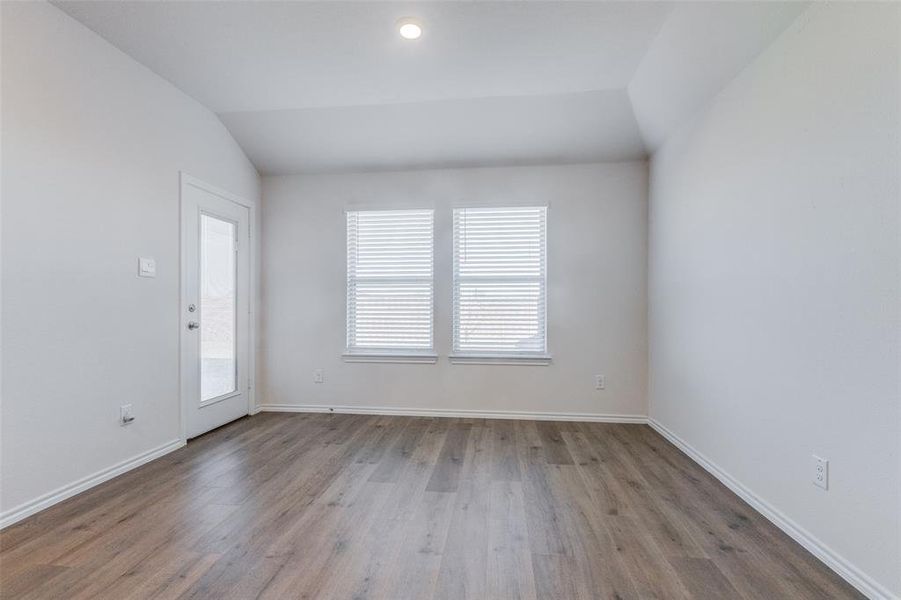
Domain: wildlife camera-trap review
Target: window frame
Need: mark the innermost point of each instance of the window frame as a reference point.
(387, 354)
(506, 357)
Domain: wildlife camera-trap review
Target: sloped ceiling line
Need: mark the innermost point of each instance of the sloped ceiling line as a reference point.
(700, 48)
(329, 86)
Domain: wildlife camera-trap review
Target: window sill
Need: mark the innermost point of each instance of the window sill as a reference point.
(513, 359)
(362, 357)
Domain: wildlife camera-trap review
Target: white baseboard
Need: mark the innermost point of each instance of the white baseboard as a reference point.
(453, 412)
(27, 509)
(847, 571)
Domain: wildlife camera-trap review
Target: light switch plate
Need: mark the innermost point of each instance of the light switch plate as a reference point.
(146, 267)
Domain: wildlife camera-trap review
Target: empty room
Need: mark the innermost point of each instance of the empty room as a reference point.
(453, 300)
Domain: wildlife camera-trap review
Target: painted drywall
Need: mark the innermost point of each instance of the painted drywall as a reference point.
(268, 56)
(329, 86)
(474, 132)
(700, 48)
(596, 282)
(774, 283)
(93, 144)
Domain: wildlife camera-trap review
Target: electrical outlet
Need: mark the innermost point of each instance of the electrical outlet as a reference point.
(821, 472)
(317, 376)
(126, 414)
(600, 382)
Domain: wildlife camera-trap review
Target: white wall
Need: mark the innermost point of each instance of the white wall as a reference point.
(597, 290)
(92, 148)
(774, 282)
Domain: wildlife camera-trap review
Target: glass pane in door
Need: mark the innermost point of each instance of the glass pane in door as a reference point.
(218, 308)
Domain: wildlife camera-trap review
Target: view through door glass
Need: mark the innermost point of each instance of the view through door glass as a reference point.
(218, 308)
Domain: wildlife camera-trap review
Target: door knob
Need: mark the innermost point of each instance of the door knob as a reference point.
(192, 325)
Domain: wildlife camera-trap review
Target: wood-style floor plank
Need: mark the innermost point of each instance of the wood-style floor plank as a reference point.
(446, 475)
(392, 508)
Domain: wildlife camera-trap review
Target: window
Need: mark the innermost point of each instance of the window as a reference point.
(218, 307)
(389, 285)
(500, 284)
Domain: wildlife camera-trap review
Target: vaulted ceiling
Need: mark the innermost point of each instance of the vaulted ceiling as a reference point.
(325, 86)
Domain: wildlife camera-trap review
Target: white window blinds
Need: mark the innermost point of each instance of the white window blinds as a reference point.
(500, 284)
(389, 282)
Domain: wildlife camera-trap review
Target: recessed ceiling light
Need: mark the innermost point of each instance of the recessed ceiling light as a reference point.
(409, 28)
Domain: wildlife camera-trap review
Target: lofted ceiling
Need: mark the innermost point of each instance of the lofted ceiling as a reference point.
(325, 86)
(511, 130)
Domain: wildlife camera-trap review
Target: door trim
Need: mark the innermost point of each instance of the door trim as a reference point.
(186, 180)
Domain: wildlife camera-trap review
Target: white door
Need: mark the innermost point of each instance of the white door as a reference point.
(215, 308)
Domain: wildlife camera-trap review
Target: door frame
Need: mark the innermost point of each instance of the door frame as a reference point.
(186, 180)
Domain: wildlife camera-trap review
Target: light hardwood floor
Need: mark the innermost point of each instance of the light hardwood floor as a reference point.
(353, 507)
